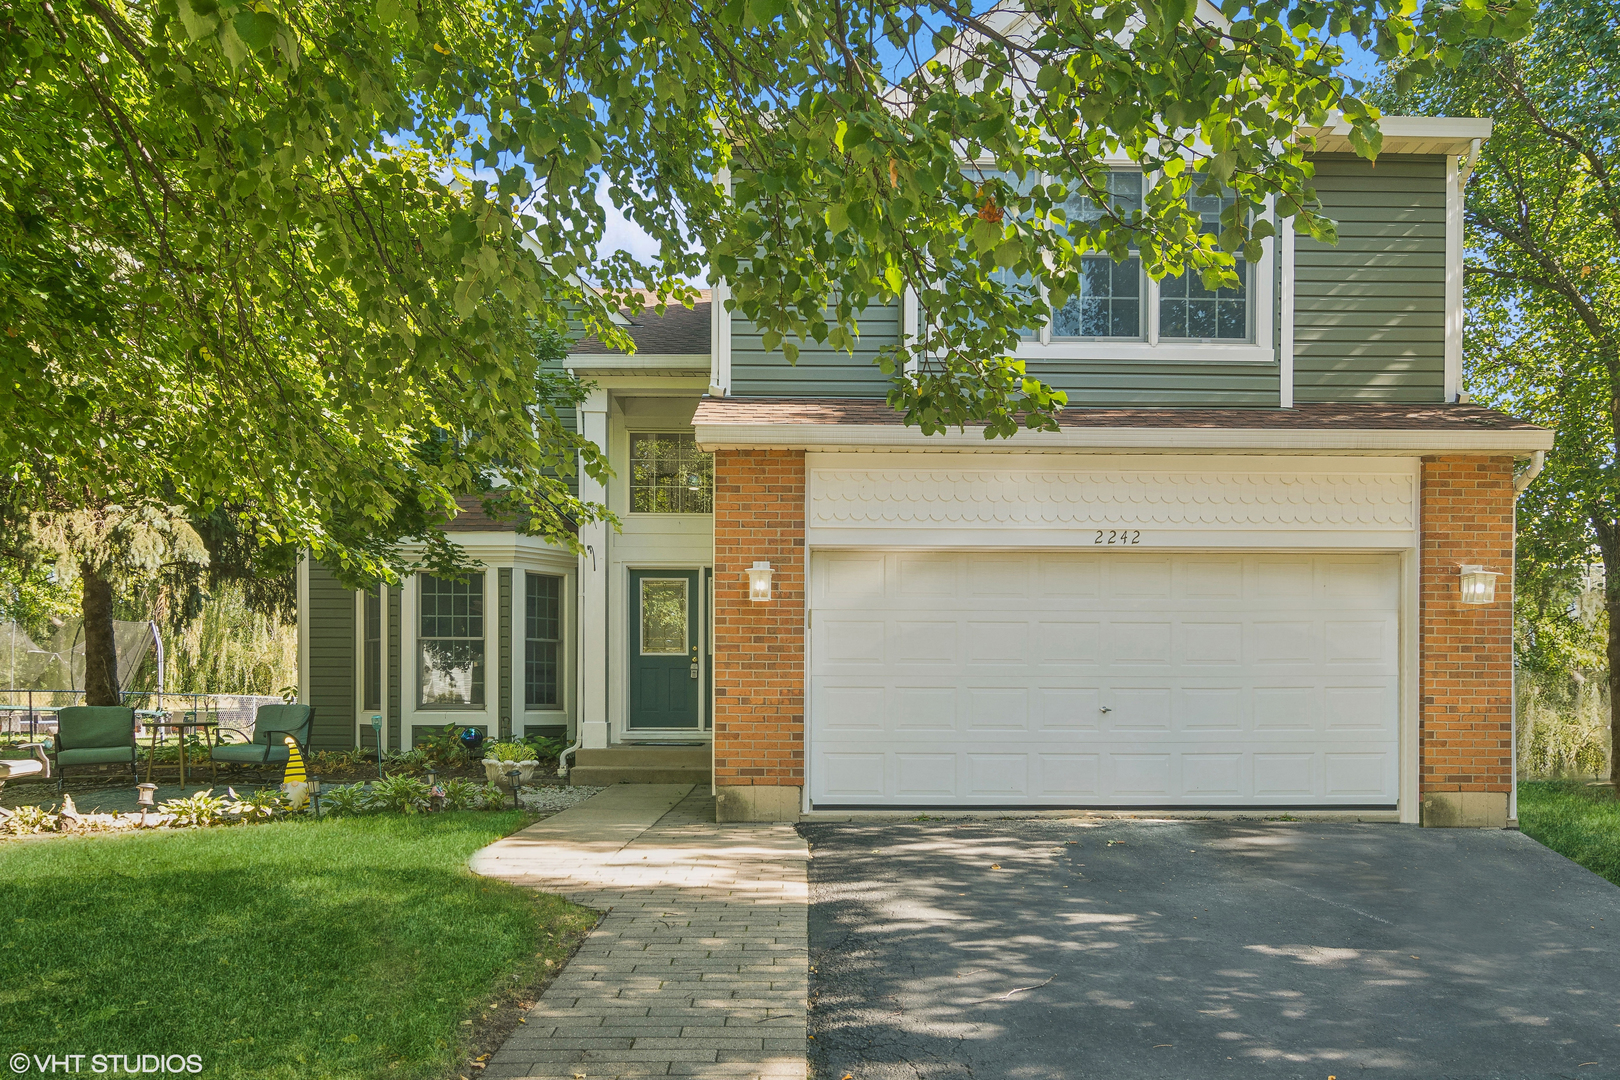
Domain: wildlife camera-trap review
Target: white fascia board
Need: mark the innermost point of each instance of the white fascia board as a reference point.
(1411, 134)
(712, 437)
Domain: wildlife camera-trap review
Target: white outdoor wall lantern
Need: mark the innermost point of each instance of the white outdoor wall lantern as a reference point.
(759, 582)
(1478, 585)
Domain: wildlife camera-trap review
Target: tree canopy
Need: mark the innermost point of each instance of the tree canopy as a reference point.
(1542, 337)
(289, 259)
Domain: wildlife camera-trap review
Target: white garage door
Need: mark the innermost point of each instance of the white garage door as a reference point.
(1103, 679)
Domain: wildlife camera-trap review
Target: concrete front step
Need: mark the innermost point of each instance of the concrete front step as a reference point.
(640, 765)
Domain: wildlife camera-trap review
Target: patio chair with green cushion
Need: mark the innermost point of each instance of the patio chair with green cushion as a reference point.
(270, 725)
(94, 735)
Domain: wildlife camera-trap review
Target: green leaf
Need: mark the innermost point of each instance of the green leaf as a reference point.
(257, 29)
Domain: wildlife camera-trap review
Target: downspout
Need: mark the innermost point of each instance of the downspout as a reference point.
(1538, 461)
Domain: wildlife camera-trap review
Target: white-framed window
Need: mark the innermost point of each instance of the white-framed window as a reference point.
(542, 641)
(1121, 313)
(450, 642)
(669, 474)
(371, 643)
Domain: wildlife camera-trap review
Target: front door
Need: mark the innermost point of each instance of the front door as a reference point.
(665, 646)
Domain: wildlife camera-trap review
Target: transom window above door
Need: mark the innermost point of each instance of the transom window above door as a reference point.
(669, 474)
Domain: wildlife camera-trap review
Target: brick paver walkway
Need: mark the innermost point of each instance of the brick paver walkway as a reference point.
(700, 966)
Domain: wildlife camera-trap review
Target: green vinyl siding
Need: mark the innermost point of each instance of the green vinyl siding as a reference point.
(821, 371)
(330, 623)
(1207, 383)
(1369, 312)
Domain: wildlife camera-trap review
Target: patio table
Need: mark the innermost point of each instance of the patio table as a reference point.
(207, 727)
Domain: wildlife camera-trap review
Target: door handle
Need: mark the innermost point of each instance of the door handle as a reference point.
(694, 662)
(1105, 709)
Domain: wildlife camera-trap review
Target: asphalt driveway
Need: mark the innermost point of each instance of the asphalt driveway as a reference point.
(1031, 949)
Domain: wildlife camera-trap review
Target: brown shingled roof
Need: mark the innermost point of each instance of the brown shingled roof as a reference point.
(678, 332)
(1358, 416)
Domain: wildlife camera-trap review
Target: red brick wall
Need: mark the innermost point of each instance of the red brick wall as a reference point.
(1466, 650)
(759, 647)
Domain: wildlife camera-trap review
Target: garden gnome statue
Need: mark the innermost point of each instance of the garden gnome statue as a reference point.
(295, 785)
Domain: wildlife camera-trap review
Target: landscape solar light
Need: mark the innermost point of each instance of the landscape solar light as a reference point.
(376, 729)
(1478, 585)
(144, 795)
(759, 582)
(514, 777)
(315, 795)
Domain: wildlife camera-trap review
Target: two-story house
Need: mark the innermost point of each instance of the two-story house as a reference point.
(1266, 563)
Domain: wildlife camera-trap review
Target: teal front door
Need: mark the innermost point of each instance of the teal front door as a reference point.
(665, 649)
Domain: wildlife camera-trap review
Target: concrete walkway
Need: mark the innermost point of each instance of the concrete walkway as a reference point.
(700, 967)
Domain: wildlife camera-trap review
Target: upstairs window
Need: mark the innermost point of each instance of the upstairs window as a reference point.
(450, 647)
(1109, 304)
(542, 639)
(670, 475)
(1190, 312)
(1119, 313)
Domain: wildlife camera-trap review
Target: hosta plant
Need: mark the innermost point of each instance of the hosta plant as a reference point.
(401, 794)
(347, 799)
(196, 811)
(461, 794)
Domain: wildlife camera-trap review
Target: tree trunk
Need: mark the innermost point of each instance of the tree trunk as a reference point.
(100, 650)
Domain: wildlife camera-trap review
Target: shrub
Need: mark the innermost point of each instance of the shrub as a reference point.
(350, 799)
(27, 820)
(442, 746)
(462, 794)
(546, 748)
(491, 797)
(262, 805)
(509, 751)
(401, 794)
(195, 811)
(1563, 725)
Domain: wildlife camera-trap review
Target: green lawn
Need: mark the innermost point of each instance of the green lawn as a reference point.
(1579, 822)
(341, 948)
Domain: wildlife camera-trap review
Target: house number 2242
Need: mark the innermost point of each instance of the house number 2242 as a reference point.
(1118, 536)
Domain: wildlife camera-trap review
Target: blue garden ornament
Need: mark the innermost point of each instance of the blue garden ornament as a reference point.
(472, 739)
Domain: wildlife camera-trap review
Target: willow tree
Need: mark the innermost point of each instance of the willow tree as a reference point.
(287, 257)
(1543, 289)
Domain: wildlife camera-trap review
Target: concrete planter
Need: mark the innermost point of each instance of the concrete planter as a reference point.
(495, 771)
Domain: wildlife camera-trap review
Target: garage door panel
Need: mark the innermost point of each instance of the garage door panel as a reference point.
(1067, 708)
(1069, 776)
(1112, 678)
(925, 776)
(996, 709)
(997, 643)
(1138, 643)
(1064, 576)
(1067, 644)
(1210, 708)
(923, 708)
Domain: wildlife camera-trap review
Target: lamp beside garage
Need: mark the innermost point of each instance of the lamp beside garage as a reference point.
(1478, 585)
(759, 582)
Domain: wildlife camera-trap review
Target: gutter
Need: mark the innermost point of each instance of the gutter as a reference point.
(805, 436)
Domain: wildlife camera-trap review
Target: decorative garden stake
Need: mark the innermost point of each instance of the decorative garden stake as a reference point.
(376, 729)
(295, 784)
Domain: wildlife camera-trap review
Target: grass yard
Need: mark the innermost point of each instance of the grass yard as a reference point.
(349, 947)
(1579, 822)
